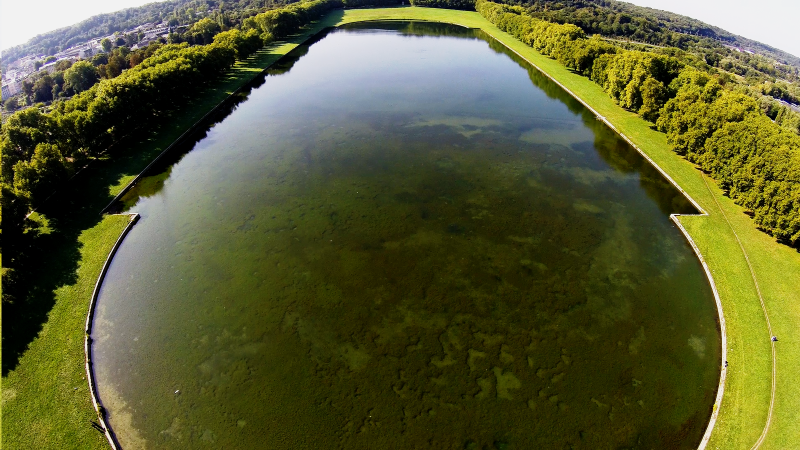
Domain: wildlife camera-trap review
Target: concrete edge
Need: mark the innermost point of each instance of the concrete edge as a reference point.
(198, 124)
(721, 317)
(87, 346)
(676, 219)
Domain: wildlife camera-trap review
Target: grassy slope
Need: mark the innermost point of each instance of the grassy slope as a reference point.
(38, 406)
(41, 407)
(745, 404)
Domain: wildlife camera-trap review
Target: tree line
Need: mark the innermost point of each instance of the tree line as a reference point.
(70, 78)
(719, 127)
(40, 150)
(713, 123)
(772, 76)
(716, 46)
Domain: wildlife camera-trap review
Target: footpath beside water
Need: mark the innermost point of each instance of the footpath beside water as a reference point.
(46, 401)
(745, 408)
(46, 395)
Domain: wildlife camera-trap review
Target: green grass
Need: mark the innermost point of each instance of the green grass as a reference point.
(43, 359)
(41, 409)
(745, 405)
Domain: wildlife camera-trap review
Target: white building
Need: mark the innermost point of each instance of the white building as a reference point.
(11, 89)
(49, 67)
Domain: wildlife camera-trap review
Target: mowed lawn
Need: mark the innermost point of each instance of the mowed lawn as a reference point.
(45, 401)
(42, 408)
(745, 405)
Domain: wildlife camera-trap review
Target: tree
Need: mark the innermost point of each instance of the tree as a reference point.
(116, 64)
(27, 88)
(11, 103)
(100, 59)
(43, 89)
(35, 179)
(63, 65)
(81, 76)
(106, 44)
(135, 59)
(203, 31)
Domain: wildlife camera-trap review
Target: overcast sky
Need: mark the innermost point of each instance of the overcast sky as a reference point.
(772, 22)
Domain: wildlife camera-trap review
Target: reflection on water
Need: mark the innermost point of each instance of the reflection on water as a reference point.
(405, 238)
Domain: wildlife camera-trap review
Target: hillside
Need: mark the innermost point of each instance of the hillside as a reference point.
(717, 47)
(175, 12)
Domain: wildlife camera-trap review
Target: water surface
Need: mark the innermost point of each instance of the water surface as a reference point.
(406, 238)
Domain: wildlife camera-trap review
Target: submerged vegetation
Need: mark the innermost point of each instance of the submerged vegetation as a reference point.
(40, 150)
(765, 176)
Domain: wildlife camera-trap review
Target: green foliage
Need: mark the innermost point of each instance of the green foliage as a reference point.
(203, 31)
(450, 4)
(755, 160)
(106, 44)
(637, 80)
(43, 89)
(725, 132)
(36, 178)
(712, 45)
(81, 76)
(243, 43)
(279, 23)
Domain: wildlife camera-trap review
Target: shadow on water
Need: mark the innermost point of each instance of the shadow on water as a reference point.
(154, 175)
(610, 146)
(51, 259)
(614, 150)
(295, 236)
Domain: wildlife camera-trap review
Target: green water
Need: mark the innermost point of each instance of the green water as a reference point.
(405, 238)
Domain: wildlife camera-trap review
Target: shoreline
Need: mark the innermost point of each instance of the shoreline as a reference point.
(675, 218)
(732, 420)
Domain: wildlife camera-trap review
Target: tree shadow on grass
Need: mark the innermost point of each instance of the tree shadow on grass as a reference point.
(52, 259)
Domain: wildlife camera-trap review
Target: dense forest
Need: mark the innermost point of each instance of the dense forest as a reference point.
(770, 72)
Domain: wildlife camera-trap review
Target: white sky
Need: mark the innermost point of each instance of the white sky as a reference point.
(767, 21)
(772, 22)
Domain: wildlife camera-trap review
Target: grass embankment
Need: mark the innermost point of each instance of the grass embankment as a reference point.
(745, 405)
(744, 409)
(43, 361)
(36, 408)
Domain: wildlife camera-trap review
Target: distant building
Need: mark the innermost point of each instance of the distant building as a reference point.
(49, 67)
(11, 89)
